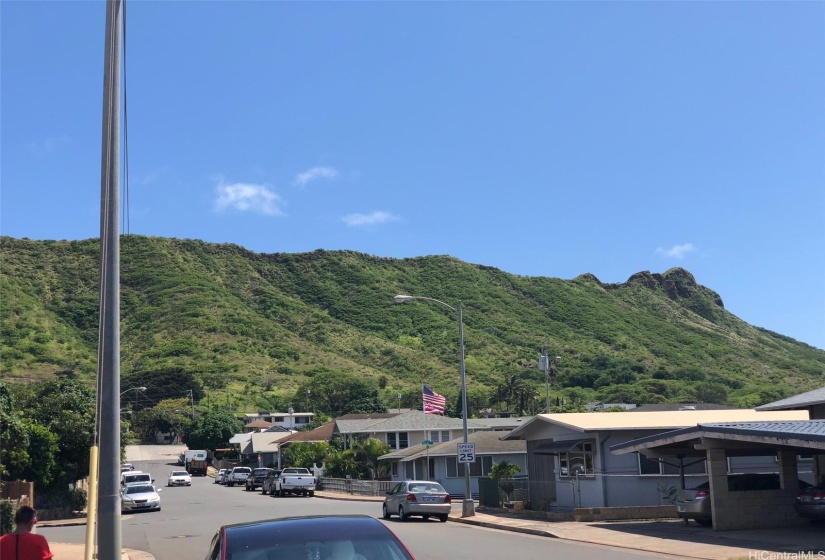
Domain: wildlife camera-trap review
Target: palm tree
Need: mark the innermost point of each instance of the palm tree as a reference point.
(367, 453)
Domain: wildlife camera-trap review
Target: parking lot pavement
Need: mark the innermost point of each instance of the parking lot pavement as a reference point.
(671, 537)
(666, 537)
(65, 551)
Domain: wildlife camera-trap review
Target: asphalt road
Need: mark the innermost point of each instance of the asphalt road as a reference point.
(184, 527)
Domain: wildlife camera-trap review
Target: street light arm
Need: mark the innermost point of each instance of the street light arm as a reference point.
(403, 298)
(141, 389)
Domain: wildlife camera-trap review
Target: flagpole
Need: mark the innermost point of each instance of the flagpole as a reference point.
(424, 410)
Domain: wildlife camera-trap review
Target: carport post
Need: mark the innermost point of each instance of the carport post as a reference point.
(681, 472)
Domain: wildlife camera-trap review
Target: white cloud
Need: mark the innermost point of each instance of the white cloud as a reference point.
(246, 197)
(378, 217)
(301, 179)
(49, 145)
(677, 251)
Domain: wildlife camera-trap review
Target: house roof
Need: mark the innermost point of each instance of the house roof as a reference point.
(406, 421)
(241, 438)
(487, 443)
(804, 400)
(284, 414)
(321, 433)
(265, 442)
(512, 422)
(806, 434)
(660, 407)
(666, 420)
(259, 424)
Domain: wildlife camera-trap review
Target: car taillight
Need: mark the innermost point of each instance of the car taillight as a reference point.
(702, 493)
(411, 498)
(816, 496)
(448, 499)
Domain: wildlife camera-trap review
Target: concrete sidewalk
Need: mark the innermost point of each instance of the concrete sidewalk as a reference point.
(666, 537)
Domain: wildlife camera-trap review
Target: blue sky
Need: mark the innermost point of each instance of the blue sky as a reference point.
(542, 138)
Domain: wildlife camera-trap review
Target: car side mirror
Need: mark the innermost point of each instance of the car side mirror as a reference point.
(153, 480)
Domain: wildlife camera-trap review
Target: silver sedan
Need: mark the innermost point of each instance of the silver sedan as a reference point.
(140, 497)
(417, 497)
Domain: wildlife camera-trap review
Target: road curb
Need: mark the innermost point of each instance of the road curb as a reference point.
(524, 530)
(61, 523)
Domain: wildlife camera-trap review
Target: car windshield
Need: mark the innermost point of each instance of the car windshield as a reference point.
(180, 473)
(241, 470)
(139, 489)
(261, 471)
(135, 478)
(300, 547)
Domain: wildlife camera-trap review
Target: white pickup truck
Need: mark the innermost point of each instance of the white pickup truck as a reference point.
(238, 475)
(294, 480)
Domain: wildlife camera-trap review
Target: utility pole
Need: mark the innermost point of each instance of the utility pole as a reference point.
(108, 527)
(546, 365)
(192, 401)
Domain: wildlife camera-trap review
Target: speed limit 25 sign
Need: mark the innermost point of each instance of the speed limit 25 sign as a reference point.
(466, 452)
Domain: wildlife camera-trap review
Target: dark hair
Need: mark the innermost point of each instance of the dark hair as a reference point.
(25, 515)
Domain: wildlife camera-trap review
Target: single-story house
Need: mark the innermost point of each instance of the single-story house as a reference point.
(438, 462)
(570, 464)
(263, 448)
(404, 430)
(796, 447)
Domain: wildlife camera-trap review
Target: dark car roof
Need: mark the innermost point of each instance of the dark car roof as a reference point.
(288, 528)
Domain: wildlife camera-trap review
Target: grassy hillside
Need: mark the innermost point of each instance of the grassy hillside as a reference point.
(256, 327)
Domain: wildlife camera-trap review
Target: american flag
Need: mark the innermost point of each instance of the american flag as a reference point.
(433, 402)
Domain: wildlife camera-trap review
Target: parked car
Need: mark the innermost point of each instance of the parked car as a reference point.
(219, 476)
(810, 503)
(140, 497)
(135, 477)
(127, 467)
(256, 479)
(695, 503)
(179, 478)
(353, 537)
(268, 485)
(417, 497)
(295, 480)
(238, 475)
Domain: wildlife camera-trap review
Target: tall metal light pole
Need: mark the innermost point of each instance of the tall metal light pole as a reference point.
(468, 506)
(108, 368)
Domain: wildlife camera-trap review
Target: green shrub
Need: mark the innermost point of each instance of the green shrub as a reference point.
(77, 499)
(6, 517)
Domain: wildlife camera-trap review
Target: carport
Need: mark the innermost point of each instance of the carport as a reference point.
(717, 441)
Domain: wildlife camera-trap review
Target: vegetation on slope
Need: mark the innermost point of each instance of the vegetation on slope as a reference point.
(249, 330)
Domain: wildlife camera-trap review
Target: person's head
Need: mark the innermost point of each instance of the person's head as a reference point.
(26, 516)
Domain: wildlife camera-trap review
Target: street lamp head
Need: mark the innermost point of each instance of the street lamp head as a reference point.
(558, 358)
(140, 388)
(402, 298)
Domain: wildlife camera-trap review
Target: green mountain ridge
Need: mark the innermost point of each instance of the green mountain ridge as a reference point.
(258, 327)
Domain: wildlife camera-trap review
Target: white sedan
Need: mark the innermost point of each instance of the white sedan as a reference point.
(140, 497)
(179, 478)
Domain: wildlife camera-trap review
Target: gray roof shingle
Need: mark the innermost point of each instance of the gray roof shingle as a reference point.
(804, 400)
